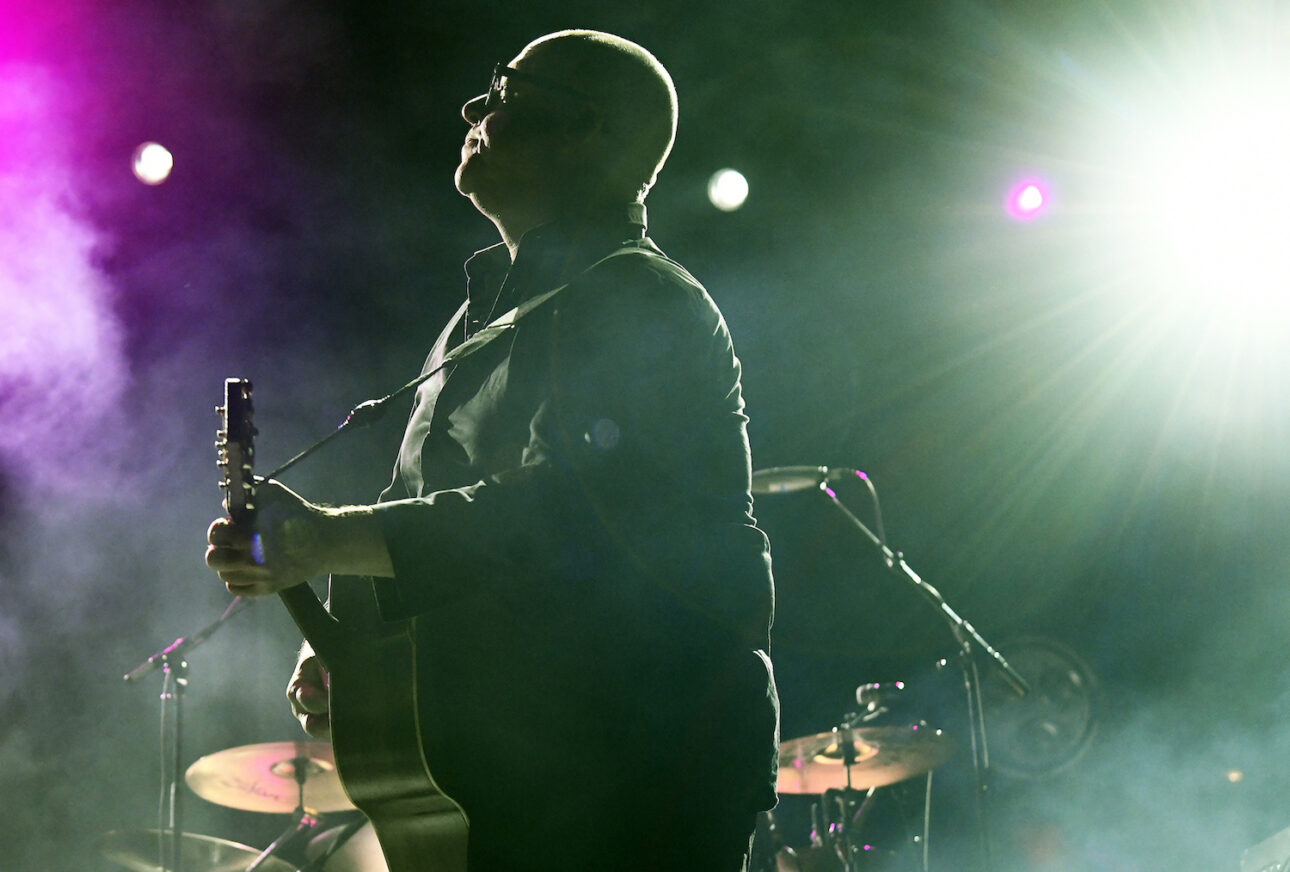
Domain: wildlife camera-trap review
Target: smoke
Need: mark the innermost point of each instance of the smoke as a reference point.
(111, 356)
(63, 377)
(62, 367)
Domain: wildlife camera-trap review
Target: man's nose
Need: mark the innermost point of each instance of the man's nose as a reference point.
(473, 111)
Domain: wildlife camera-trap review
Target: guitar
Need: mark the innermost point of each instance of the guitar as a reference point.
(371, 668)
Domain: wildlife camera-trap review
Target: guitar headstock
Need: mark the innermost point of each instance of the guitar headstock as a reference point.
(235, 444)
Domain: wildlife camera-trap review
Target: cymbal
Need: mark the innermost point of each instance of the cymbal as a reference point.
(139, 850)
(263, 778)
(882, 756)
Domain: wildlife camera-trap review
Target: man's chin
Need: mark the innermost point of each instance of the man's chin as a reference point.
(469, 184)
(478, 193)
(461, 179)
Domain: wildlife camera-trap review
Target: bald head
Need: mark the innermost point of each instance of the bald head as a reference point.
(632, 92)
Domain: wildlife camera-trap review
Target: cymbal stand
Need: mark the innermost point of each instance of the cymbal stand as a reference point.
(316, 864)
(852, 811)
(848, 749)
(969, 641)
(171, 661)
(925, 846)
(302, 822)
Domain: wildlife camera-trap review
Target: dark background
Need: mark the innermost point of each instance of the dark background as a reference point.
(1075, 465)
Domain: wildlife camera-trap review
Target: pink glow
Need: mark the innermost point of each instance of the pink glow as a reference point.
(1028, 199)
(61, 358)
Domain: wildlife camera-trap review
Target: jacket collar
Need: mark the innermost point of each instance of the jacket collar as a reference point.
(554, 252)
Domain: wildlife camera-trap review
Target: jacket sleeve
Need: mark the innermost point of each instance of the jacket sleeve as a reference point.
(636, 468)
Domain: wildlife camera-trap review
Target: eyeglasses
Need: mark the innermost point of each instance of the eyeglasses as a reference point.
(502, 75)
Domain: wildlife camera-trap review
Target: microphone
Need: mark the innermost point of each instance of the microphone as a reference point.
(787, 479)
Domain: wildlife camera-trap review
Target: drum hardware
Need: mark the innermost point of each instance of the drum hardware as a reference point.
(352, 847)
(282, 777)
(859, 758)
(837, 840)
(299, 778)
(970, 643)
(875, 700)
(845, 767)
(305, 847)
(302, 825)
(138, 851)
(830, 847)
(171, 661)
(1048, 730)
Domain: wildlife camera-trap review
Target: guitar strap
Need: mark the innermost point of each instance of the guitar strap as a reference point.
(368, 412)
(508, 320)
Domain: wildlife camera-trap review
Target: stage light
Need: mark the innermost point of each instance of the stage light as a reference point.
(727, 189)
(1223, 208)
(1203, 191)
(1180, 225)
(152, 163)
(1027, 200)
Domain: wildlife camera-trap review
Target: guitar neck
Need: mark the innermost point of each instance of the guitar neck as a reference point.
(314, 622)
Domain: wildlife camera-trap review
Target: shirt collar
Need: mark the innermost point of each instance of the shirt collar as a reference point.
(555, 251)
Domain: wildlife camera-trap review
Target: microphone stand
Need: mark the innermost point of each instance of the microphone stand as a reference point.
(969, 641)
(171, 661)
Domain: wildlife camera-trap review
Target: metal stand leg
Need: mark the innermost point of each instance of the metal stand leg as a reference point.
(927, 823)
(303, 824)
(171, 830)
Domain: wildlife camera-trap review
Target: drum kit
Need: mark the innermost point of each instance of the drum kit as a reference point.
(868, 779)
(839, 772)
(327, 833)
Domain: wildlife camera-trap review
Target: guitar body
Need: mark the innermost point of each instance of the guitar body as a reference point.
(371, 666)
(377, 742)
(384, 772)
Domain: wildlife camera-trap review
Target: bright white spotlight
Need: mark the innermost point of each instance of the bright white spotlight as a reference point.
(1208, 197)
(1182, 228)
(1223, 207)
(152, 163)
(727, 189)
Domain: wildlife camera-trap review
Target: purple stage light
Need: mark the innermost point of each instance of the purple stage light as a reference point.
(1027, 200)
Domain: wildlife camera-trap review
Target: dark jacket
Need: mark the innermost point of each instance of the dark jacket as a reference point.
(570, 524)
